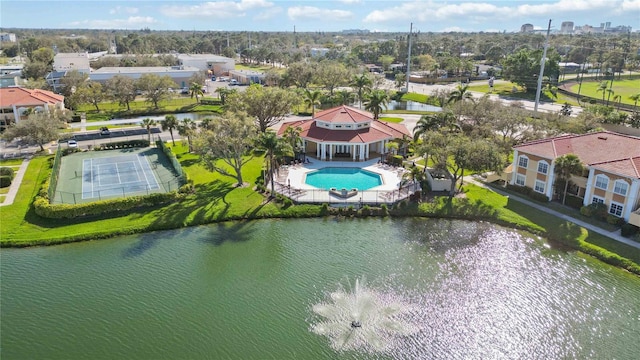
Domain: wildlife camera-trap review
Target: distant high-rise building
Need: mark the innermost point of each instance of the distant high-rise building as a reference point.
(7, 37)
(526, 28)
(566, 27)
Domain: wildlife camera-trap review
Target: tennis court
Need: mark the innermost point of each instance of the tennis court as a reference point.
(97, 175)
(117, 175)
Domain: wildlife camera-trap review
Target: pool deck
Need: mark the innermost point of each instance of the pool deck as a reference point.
(290, 181)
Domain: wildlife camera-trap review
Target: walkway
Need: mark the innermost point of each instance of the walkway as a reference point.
(15, 184)
(615, 235)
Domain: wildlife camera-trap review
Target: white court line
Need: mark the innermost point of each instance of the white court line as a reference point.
(118, 173)
(136, 172)
(144, 173)
(92, 194)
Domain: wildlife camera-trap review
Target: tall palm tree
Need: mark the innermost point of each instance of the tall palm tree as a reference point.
(224, 92)
(312, 98)
(376, 102)
(611, 93)
(565, 166)
(148, 124)
(461, 93)
(362, 83)
(170, 123)
(603, 87)
(195, 89)
(345, 97)
(617, 98)
(275, 148)
(187, 128)
(635, 98)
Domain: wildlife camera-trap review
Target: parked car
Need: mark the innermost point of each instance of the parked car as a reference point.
(105, 131)
(72, 143)
(184, 91)
(204, 89)
(233, 82)
(213, 78)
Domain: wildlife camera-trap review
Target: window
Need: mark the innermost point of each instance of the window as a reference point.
(620, 187)
(523, 161)
(539, 186)
(615, 209)
(602, 182)
(543, 167)
(520, 180)
(597, 200)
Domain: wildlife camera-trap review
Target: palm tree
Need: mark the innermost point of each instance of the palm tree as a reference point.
(611, 93)
(275, 148)
(206, 123)
(436, 121)
(186, 128)
(224, 92)
(565, 166)
(362, 83)
(292, 134)
(416, 175)
(345, 97)
(148, 124)
(195, 89)
(376, 102)
(461, 93)
(603, 87)
(170, 123)
(617, 98)
(635, 98)
(312, 98)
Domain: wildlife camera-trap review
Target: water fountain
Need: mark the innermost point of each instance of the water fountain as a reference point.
(363, 319)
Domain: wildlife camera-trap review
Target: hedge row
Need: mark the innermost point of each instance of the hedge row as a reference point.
(123, 145)
(174, 160)
(67, 211)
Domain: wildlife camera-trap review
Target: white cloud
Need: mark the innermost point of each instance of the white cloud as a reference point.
(482, 11)
(123, 10)
(630, 5)
(351, 1)
(268, 14)
(128, 23)
(453, 29)
(315, 13)
(215, 9)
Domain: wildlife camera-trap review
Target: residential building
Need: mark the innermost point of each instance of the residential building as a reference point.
(566, 27)
(612, 175)
(346, 133)
(10, 75)
(526, 28)
(15, 101)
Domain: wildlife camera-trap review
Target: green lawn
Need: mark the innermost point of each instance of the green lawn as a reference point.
(421, 98)
(111, 110)
(623, 87)
(391, 119)
(10, 162)
(507, 90)
(259, 68)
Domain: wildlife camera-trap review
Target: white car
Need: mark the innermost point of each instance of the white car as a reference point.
(72, 143)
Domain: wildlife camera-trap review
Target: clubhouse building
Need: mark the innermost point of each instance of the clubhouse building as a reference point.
(345, 133)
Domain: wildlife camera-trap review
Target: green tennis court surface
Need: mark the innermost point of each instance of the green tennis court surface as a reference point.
(97, 175)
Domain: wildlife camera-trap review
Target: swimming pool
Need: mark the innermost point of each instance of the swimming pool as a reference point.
(339, 178)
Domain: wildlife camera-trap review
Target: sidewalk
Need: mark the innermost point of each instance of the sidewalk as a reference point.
(615, 235)
(15, 184)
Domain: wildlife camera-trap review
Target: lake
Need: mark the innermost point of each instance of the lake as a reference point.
(252, 290)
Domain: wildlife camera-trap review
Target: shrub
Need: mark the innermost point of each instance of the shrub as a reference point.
(5, 181)
(586, 211)
(384, 210)
(614, 220)
(365, 211)
(599, 210)
(6, 171)
(324, 210)
(573, 201)
(628, 230)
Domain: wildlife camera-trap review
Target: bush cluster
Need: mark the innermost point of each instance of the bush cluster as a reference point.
(628, 230)
(6, 176)
(573, 201)
(529, 192)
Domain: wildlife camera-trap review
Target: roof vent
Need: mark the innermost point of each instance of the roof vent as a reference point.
(602, 137)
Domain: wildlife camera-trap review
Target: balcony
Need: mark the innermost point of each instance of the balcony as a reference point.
(634, 218)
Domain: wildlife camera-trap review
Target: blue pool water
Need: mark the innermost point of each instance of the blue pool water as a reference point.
(348, 178)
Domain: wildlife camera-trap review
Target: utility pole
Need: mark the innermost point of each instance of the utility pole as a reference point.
(544, 57)
(409, 59)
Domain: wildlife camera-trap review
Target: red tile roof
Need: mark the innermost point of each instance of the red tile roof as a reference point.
(604, 150)
(19, 96)
(378, 130)
(344, 115)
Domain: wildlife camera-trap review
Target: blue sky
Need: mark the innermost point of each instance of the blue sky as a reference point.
(307, 15)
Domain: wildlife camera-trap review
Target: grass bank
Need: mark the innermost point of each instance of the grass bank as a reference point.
(111, 110)
(217, 199)
(624, 87)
